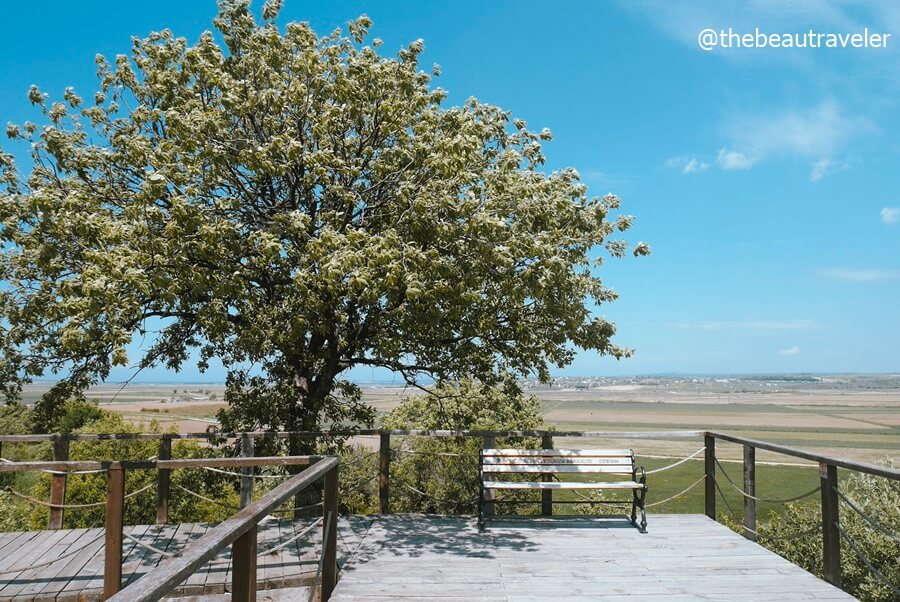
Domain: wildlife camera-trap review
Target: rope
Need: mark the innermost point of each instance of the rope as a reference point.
(242, 475)
(149, 547)
(874, 523)
(866, 562)
(435, 498)
(677, 495)
(762, 499)
(429, 453)
(674, 464)
(725, 499)
(73, 506)
(274, 549)
(350, 558)
(206, 499)
(57, 559)
(298, 508)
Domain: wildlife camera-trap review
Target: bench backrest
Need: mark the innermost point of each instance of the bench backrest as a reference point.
(558, 461)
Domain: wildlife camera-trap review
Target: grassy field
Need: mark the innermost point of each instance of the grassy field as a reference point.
(851, 416)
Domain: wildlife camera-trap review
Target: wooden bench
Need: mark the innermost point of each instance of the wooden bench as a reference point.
(615, 467)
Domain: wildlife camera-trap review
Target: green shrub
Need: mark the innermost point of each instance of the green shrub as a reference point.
(876, 496)
(141, 508)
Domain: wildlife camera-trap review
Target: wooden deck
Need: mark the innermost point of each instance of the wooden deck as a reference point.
(431, 558)
(683, 557)
(79, 575)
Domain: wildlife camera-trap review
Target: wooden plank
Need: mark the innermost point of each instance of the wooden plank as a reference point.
(33, 554)
(33, 581)
(585, 453)
(90, 576)
(561, 485)
(566, 469)
(92, 540)
(557, 461)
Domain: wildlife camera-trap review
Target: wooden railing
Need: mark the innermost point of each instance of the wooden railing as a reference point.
(240, 529)
(828, 486)
(828, 468)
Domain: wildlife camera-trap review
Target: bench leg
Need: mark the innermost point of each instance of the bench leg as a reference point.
(643, 510)
(634, 505)
(481, 509)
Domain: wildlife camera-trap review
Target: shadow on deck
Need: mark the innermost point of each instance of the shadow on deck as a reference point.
(434, 558)
(683, 557)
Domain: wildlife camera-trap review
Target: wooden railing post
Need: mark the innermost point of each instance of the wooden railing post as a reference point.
(247, 479)
(115, 499)
(547, 494)
(329, 535)
(384, 473)
(750, 490)
(243, 581)
(490, 442)
(162, 485)
(58, 483)
(831, 537)
(709, 465)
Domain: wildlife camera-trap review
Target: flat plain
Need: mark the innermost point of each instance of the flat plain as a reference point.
(854, 416)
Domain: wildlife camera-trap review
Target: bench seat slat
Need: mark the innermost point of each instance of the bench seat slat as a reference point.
(557, 461)
(557, 469)
(557, 485)
(558, 452)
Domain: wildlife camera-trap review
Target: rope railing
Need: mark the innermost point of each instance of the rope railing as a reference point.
(298, 508)
(242, 475)
(873, 522)
(38, 502)
(678, 463)
(862, 557)
(436, 498)
(206, 499)
(147, 546)
(762, 499)
(288, 542)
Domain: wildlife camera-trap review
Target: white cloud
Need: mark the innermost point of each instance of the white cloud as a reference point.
(819, 169)
(729, 160)
(890, 215)
(861, 275)
(687, 165)
(695, 166)
(816, 132)
(789, 351)
(751, 325)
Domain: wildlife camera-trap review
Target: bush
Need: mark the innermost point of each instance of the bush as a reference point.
(876, 496)
(139, 509)
(439, 475)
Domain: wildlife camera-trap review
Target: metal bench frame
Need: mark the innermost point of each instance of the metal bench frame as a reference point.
(585, 459)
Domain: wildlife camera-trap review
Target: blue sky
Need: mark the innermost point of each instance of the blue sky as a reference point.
(765, 180)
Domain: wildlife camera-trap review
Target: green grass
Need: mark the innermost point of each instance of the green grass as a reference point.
(775, 482)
